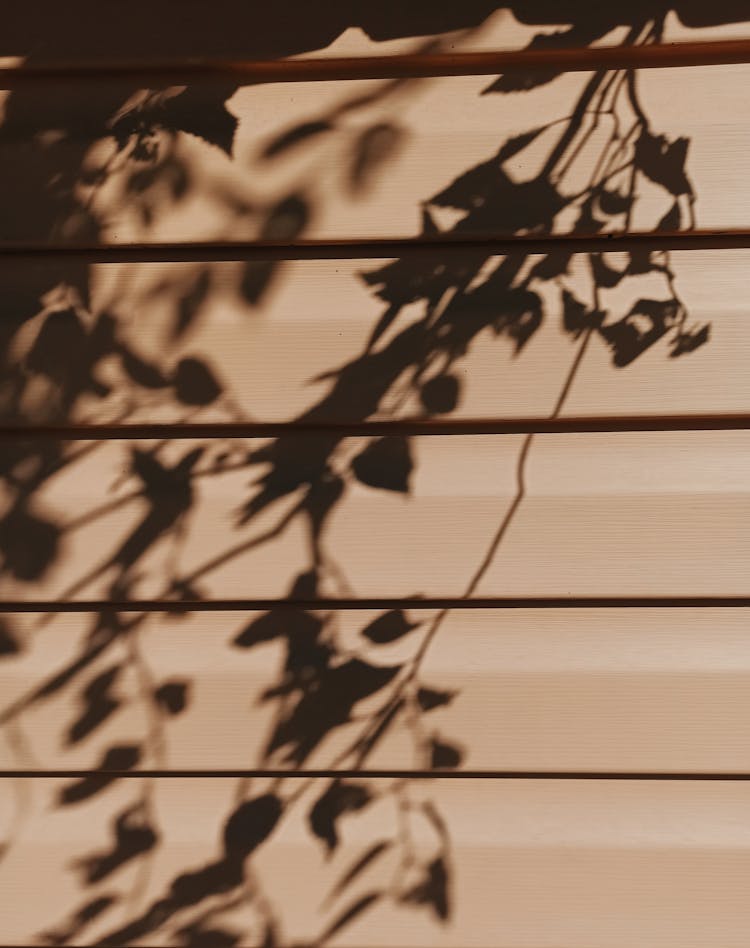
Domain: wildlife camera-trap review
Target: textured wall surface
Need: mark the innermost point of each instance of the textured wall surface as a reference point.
(374, 475)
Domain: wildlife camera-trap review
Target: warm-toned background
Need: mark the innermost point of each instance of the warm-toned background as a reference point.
(366, 580)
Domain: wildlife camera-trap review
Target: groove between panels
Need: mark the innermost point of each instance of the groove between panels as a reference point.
(420, 427)
(405, 66)
(227, 251)
(725, 776)
(263, 605)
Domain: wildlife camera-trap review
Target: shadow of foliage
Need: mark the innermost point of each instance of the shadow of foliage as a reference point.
(323, 681)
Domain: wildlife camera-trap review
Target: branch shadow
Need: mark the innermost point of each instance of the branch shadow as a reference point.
(57, 354)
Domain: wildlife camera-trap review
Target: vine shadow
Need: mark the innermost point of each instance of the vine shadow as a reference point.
(322, 680)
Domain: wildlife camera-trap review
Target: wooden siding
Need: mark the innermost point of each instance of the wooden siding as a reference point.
(382, 152)
(623, 514)
(146, 32)
(554, 689)
(536, 863)
(269, 353)
(375, 475)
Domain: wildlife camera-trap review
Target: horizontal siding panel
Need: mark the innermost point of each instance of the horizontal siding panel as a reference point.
(354, 29)
(597, 865)
(272, 352)
(363, 159)
(627, 514)
(602, 690)
(412, 859)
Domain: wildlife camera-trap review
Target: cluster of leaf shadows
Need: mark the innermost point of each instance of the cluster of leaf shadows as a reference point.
(322, 680)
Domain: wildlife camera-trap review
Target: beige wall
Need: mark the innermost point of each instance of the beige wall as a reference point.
(367, 724)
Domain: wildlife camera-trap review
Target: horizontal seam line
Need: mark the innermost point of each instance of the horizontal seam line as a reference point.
(409, 427)
(405, 65)
(375, 603)
(384, 774)
(314, 249)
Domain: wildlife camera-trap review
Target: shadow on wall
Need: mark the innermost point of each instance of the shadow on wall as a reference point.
(321, 682)
(146, 31)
